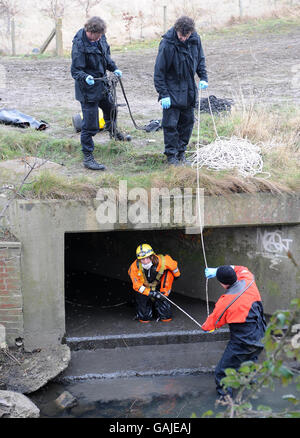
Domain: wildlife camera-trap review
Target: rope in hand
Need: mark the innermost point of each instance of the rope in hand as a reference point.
(112, 81)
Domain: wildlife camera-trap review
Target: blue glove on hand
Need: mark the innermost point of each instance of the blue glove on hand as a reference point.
(118, 73)
(203, 85)
(210, 272)
(165, 102)
(89, 80)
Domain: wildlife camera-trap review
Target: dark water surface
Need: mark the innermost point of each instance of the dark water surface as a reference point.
(98, 305)
(157, 397)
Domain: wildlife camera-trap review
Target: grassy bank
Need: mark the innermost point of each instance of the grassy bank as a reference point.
(142, 163)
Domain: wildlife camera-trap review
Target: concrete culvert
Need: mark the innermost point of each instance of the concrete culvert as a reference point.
(99, 299)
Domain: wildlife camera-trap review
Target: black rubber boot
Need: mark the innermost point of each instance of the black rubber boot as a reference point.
(90, 163)
(182, 159)
(172, 160)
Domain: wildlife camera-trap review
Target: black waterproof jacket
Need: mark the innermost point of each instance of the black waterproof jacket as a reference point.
(88, 59)
(175, 68)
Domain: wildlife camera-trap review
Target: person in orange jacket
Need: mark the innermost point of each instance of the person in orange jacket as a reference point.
(152, 277)
(241, 308)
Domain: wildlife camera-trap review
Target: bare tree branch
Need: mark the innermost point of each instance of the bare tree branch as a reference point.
(9, 7)
(55, 8)
(88, 5)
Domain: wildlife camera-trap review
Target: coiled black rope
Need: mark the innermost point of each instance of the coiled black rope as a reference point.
(215, 104)
(111, 83)
(141, 128)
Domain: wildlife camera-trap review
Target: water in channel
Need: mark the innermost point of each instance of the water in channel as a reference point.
(193, 395)
(89, 313)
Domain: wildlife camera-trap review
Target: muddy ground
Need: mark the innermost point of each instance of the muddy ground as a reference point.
(264, 65)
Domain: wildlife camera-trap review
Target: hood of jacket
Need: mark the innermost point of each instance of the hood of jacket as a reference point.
(82, 42)
(171, 37)
(80, 37)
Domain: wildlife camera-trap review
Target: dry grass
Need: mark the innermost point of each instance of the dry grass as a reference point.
(285, 12)
(271, 128)
(277, 132)
(48, 185)
(51, 186)
(216, 183)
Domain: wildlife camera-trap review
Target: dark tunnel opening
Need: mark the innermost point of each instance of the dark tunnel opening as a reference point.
(98, 291)
(97, 263)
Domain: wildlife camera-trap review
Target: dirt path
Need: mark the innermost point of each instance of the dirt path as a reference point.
(264, 65)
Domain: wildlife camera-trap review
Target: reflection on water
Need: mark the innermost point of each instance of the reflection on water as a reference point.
(181, 405)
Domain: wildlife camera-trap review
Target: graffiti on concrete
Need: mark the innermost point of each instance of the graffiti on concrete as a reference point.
(273, 246)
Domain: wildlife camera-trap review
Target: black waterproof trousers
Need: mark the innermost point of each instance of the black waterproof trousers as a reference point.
(149, 308)
(90, 122)
(177, 128)
(234, 355)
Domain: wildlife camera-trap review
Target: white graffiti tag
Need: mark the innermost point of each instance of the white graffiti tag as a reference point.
(272, 245)
(272, 242)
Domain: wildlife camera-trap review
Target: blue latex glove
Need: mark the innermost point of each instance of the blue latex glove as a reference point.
(89, 80)
(203, 85)
(118, 73)
(165, 102)
(210, 272)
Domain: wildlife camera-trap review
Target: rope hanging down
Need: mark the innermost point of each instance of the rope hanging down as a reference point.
(199, 208)
(223, 154)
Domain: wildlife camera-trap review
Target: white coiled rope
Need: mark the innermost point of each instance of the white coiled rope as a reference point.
(228, 153)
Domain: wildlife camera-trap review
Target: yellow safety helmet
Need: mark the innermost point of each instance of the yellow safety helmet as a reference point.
(144, 250)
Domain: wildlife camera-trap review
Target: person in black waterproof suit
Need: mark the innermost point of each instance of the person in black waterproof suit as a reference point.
(241, 307)
(179, 57)
(91, 59)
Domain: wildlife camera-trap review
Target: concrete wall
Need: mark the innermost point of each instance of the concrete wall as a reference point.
(254, 230)
(262, 249)
(11, 299)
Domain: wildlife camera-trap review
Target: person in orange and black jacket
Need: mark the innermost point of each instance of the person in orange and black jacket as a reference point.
(241, 308)
(152, 277)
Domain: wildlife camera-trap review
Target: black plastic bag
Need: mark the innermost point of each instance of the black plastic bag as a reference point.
(21, 120)
(153, 126)
(216, 104)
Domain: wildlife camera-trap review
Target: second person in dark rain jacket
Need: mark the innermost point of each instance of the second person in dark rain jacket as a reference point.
(180, 57)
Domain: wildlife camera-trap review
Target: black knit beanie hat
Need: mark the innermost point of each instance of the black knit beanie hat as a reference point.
(226, 275)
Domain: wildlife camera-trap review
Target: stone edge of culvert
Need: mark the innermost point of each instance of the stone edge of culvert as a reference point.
(152, 338)
(24, 373)
(133, 374)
